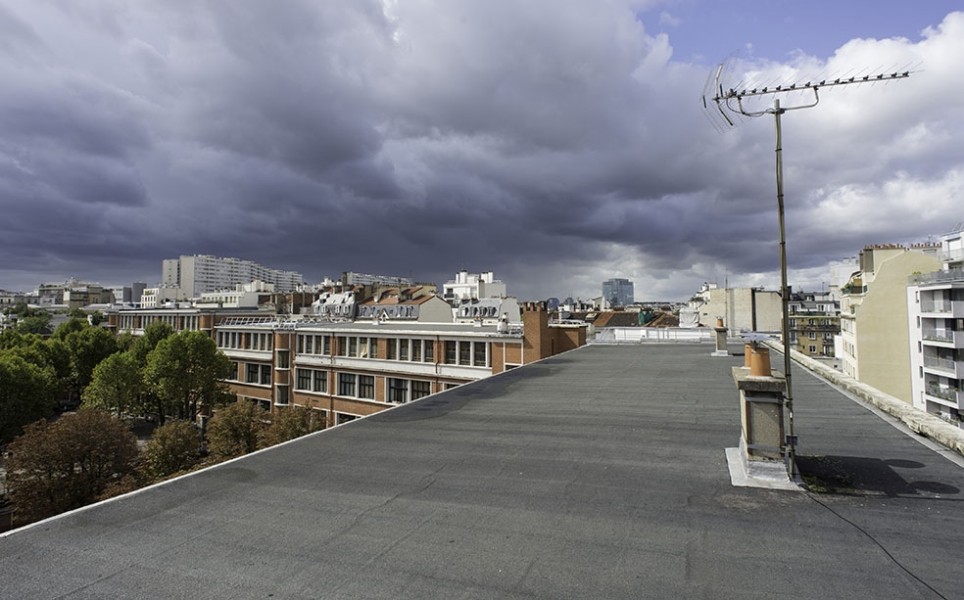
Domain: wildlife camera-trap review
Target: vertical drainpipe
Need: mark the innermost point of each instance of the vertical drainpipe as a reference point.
(753, 308)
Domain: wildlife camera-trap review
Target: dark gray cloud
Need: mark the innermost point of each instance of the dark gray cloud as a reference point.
(558, 144)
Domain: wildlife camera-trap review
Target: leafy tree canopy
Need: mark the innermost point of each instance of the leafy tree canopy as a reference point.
(115, 385)
(27, 393)
(88, 346)
(54, 467)
(175, 446)
(235, 429)
(39, 324)
(153, 335)
(290, 424)
(185, 371)
(71, 325)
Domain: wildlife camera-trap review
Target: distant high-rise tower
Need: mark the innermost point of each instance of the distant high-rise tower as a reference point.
(618, 292)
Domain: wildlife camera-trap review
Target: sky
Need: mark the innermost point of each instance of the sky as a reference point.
(557, 143)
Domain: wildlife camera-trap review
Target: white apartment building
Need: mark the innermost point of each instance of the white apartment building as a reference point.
(873, 341)
(742, 309)
(157, 297)
(936, 309)
(203, 273)
(472, 286)
(248, 295)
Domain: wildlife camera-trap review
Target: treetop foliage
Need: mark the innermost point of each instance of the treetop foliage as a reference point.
(57, 466)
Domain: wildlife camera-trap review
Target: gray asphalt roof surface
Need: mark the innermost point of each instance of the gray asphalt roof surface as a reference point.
(599, 473)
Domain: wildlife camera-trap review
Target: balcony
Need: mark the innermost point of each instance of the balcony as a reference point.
(944, 337)
(947, 396)
(949, 276)
(943, 308)
(945, 366)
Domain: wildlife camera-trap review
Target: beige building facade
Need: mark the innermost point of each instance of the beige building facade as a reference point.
(874, 339)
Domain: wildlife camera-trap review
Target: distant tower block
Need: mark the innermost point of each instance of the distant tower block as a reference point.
(720, 330)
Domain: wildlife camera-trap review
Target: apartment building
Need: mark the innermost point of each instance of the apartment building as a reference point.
(873, 342)
(349, 369)
(742, 309)
(472, 286)
(814, 320)
(202, 273)
(936, 332)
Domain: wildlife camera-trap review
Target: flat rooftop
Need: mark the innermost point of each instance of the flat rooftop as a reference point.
(599, 473)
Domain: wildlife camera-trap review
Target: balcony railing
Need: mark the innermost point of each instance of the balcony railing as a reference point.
(944, 364)
(949, 276)
(949, 394)
(939, 336)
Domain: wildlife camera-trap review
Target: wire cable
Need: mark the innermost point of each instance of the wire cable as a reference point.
(878, 544)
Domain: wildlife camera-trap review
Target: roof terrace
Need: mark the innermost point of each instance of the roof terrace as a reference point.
(599, 473)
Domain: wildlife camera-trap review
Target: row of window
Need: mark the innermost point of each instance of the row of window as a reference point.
(463, 353)
(237, 340)
(188, 322)
(466, 353)
(411, 350)
(800, 322)
(399, 391)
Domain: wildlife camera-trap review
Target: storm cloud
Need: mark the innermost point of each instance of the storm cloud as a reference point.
(556, 143)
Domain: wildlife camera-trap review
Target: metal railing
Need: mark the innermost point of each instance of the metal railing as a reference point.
(949, 394)
(937, 277)
(939, 336)
(936, 306)
(641, 335)
(944, 364)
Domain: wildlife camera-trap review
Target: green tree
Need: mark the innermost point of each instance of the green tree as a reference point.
(175, 446)
(27, 393)
(87, 347)
(39, 324)
(290, 424)
(116, 385)
(185, 371)
(235, 429)
(54, 467)
(71, 325)
(153, 334)
(42, 353)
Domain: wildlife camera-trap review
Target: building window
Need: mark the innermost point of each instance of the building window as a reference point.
(397, 390)
(813, 349)
(392, 349)
(465, 353)
(253, 373)
(320, 382)
(234, 372)
(420, 389)
(403, 349)
(282, 395)
(303, 379)
(284, 359)
(479, 358)
(417, 350)
(265, 374)
(342, 346)
(451, 352)
(366, 387)
(429, 355)
(812, 336)
(346, 384)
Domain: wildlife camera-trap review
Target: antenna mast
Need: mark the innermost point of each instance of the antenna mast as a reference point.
(729, 103)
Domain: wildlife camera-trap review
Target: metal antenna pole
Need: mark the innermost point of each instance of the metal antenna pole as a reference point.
(723, 99)
(784, 293)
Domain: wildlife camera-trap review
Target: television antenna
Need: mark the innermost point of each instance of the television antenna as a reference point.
(726, 105)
